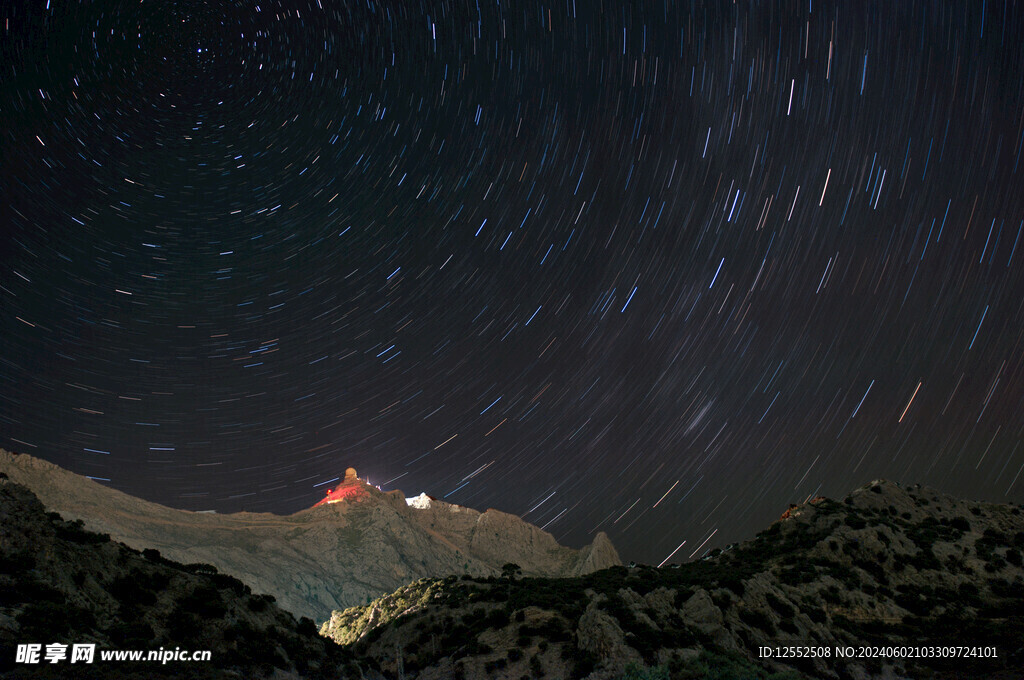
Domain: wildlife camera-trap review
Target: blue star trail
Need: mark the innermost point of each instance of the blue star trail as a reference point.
(669, 265)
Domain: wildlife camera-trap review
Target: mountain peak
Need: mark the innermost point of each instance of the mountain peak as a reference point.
(354, 545)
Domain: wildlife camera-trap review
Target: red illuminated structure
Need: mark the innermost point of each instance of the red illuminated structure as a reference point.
(351, 487)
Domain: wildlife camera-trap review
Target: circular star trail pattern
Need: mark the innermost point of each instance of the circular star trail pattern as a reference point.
(652, 269)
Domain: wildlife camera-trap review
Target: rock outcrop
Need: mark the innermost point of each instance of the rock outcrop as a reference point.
(329, 557)
(600, 554)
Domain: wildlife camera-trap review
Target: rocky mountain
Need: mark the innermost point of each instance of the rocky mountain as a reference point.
(353, 546)
(904, 568)
(62, 584)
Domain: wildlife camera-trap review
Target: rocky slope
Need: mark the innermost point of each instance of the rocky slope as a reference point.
(887, 566)
(327, 557)
(62, 584)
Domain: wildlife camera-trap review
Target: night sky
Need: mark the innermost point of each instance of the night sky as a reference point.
(652, 269)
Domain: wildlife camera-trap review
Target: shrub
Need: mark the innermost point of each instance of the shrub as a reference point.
(75, 532)
(798, 574)
(1003, 588)
(205, 601)
(231, 583)
(257, 603)
(496, 664)
(307, 626)
(201, 568)
(855, 522)
(874, 568)
(787, 626)
(832, 595)
(497, 618)
(960, 524)
(130, 590)
(733, 583)
(784, 609)
(722, 599)
(757, 619)
(816, 614)
(969, 594)
(183, 627)
(924, 559)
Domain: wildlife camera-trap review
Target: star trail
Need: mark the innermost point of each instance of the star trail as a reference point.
(656, 269)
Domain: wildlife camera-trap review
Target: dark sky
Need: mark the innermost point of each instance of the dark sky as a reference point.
(653, 269)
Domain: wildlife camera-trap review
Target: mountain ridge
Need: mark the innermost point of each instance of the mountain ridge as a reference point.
(62, 584)
(887, 566)
(322, 558)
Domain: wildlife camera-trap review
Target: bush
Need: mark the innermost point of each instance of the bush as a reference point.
(201, 568)
(75, 532)
(130, 590)
(961, 524)
(925, 559)
(832, 596)
(787, 626)
(969, 594)
(496, 664)
(257, 603)
(307, 626)
(799, 574)
(757, 619)
(231, 583)
(918, 600)
(855, 522)
(784, 609)
(733, 583)
(816, 614)
(874, 568)
(205, 601)
(497, 618)
(1005, 589)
